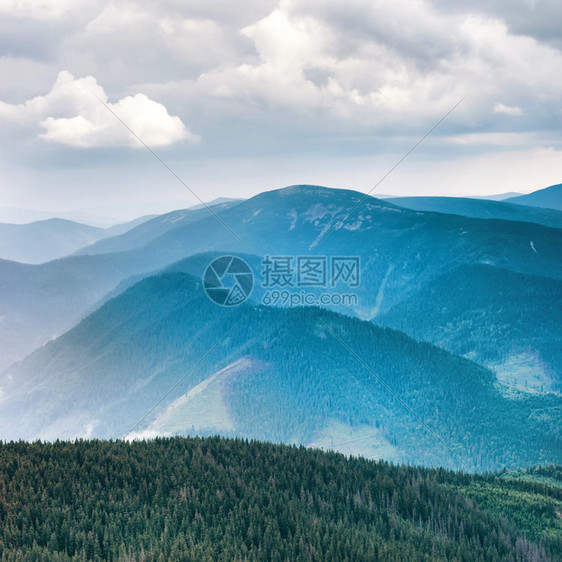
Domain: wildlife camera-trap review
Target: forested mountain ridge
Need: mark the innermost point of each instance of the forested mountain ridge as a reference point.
(219, 500)
(400, 249)
(502, 319)
(273, 374)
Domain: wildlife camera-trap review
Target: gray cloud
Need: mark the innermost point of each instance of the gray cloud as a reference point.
(382, 63)
(279, 78)
(537, 18)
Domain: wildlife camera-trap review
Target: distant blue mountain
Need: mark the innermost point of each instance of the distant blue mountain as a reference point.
(482, 209)
(149, 230)
(497, 196)
(550, 197)
(46, 240)
(401, 250)
(42, 241)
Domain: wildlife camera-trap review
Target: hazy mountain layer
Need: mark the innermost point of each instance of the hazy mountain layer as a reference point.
(550, 197)
(273, 374)
(43, 241)
(149, 230)
(400, 249)
(482, 209)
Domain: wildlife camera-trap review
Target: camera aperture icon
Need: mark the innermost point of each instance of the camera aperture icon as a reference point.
(228, 281)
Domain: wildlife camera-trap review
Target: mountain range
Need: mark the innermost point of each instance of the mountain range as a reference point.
(47, 240)
(507, 321)
(482, 209)
(298, 375)
(400, 250)
(473, 372)
(149, 230)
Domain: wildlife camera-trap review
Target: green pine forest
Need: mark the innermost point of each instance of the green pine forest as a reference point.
(213, 499)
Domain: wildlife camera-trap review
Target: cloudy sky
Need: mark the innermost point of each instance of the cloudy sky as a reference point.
(241, 97)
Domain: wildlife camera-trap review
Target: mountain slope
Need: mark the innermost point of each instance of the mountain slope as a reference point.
(123, 227)
(39, 302)
(482, 209)
(296, 221)
(550, 197)
(217, 500)
(497, 196)
(151, 229)
(273, 374)
(400, 251)
(17, 215)
(507, 321)
(43, 241)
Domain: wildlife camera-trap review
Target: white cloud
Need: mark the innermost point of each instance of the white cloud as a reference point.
(529, 138)
(507, 109)
(70, 114)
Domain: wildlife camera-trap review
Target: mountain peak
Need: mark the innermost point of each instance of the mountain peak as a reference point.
(336, 194)
(549, 197)
(305, 188)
